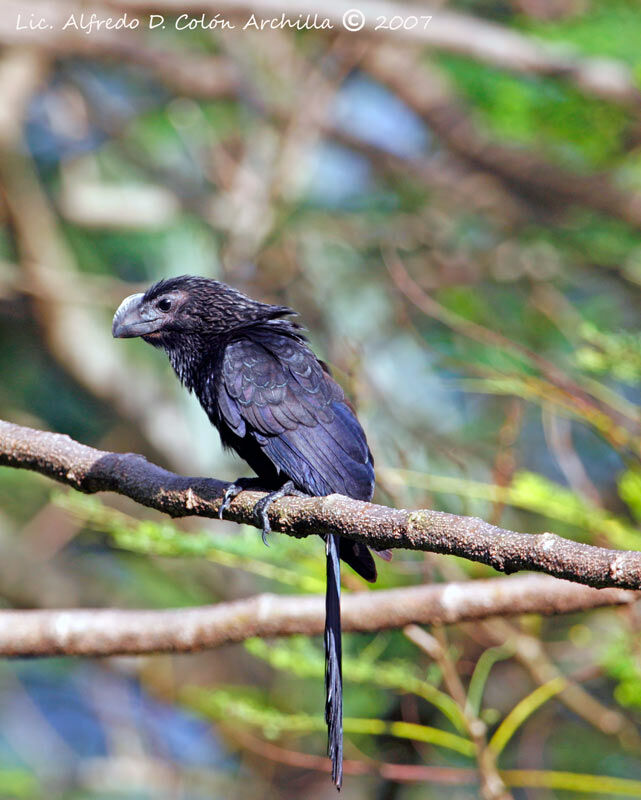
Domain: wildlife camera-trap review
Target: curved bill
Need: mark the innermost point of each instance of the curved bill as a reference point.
(131, 319)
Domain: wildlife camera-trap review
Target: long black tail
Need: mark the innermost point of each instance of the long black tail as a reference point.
(333, 660)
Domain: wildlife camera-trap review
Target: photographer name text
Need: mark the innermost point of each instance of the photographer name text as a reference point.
(352, 20)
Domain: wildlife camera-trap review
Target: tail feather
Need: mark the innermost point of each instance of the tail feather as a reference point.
(359, 558)
(333, 660)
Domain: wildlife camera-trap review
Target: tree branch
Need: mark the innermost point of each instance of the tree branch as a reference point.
(89, 470)
(196, 74)
(448, 30)
(432, 98)
(104, 632)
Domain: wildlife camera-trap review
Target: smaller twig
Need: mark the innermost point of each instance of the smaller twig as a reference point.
(530, 653)
(492, 785)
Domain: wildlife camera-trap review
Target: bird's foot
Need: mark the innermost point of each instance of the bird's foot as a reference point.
(262, 507)
(234, 489)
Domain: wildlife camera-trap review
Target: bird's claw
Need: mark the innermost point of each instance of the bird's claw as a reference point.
(262, 506)
(230, 492)
(261, 509)
(260, 515)
(234, 489)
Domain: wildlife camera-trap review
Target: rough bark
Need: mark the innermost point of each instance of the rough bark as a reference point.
(89, 470)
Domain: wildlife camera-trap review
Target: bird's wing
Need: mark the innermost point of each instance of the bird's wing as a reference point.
(275, 390)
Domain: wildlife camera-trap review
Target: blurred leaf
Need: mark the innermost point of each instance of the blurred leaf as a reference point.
(226, 705)
(541, 112)
(621, 659)
(17, 783)
(244, 551)
(301, 658)
(617, 354)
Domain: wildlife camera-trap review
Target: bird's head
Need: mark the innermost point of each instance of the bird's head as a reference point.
(188, 306)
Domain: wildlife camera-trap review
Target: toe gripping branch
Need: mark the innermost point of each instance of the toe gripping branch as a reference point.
(261, 509)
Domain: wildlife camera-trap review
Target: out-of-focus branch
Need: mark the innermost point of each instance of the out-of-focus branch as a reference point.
(617, 427)
(207, 76)
(195, 74)
(213, 77)
(447, 30)
(102, 632)
(531, 175)
(89, 470)
(48, 267)
(530, 652)
(492, 786)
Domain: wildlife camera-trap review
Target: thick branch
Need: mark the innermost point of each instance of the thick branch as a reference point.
(90, 470)
(102, 632)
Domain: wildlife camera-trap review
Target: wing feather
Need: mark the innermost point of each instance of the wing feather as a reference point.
(275, 390)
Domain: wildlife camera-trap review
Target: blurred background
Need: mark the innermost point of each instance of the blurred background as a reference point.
(455, 211)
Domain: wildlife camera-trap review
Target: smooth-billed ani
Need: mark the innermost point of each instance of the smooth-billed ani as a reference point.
(277, 406)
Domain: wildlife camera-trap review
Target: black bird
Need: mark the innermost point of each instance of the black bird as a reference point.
(278, 407)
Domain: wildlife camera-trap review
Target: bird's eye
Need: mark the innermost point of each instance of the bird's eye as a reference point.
(164, 304)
